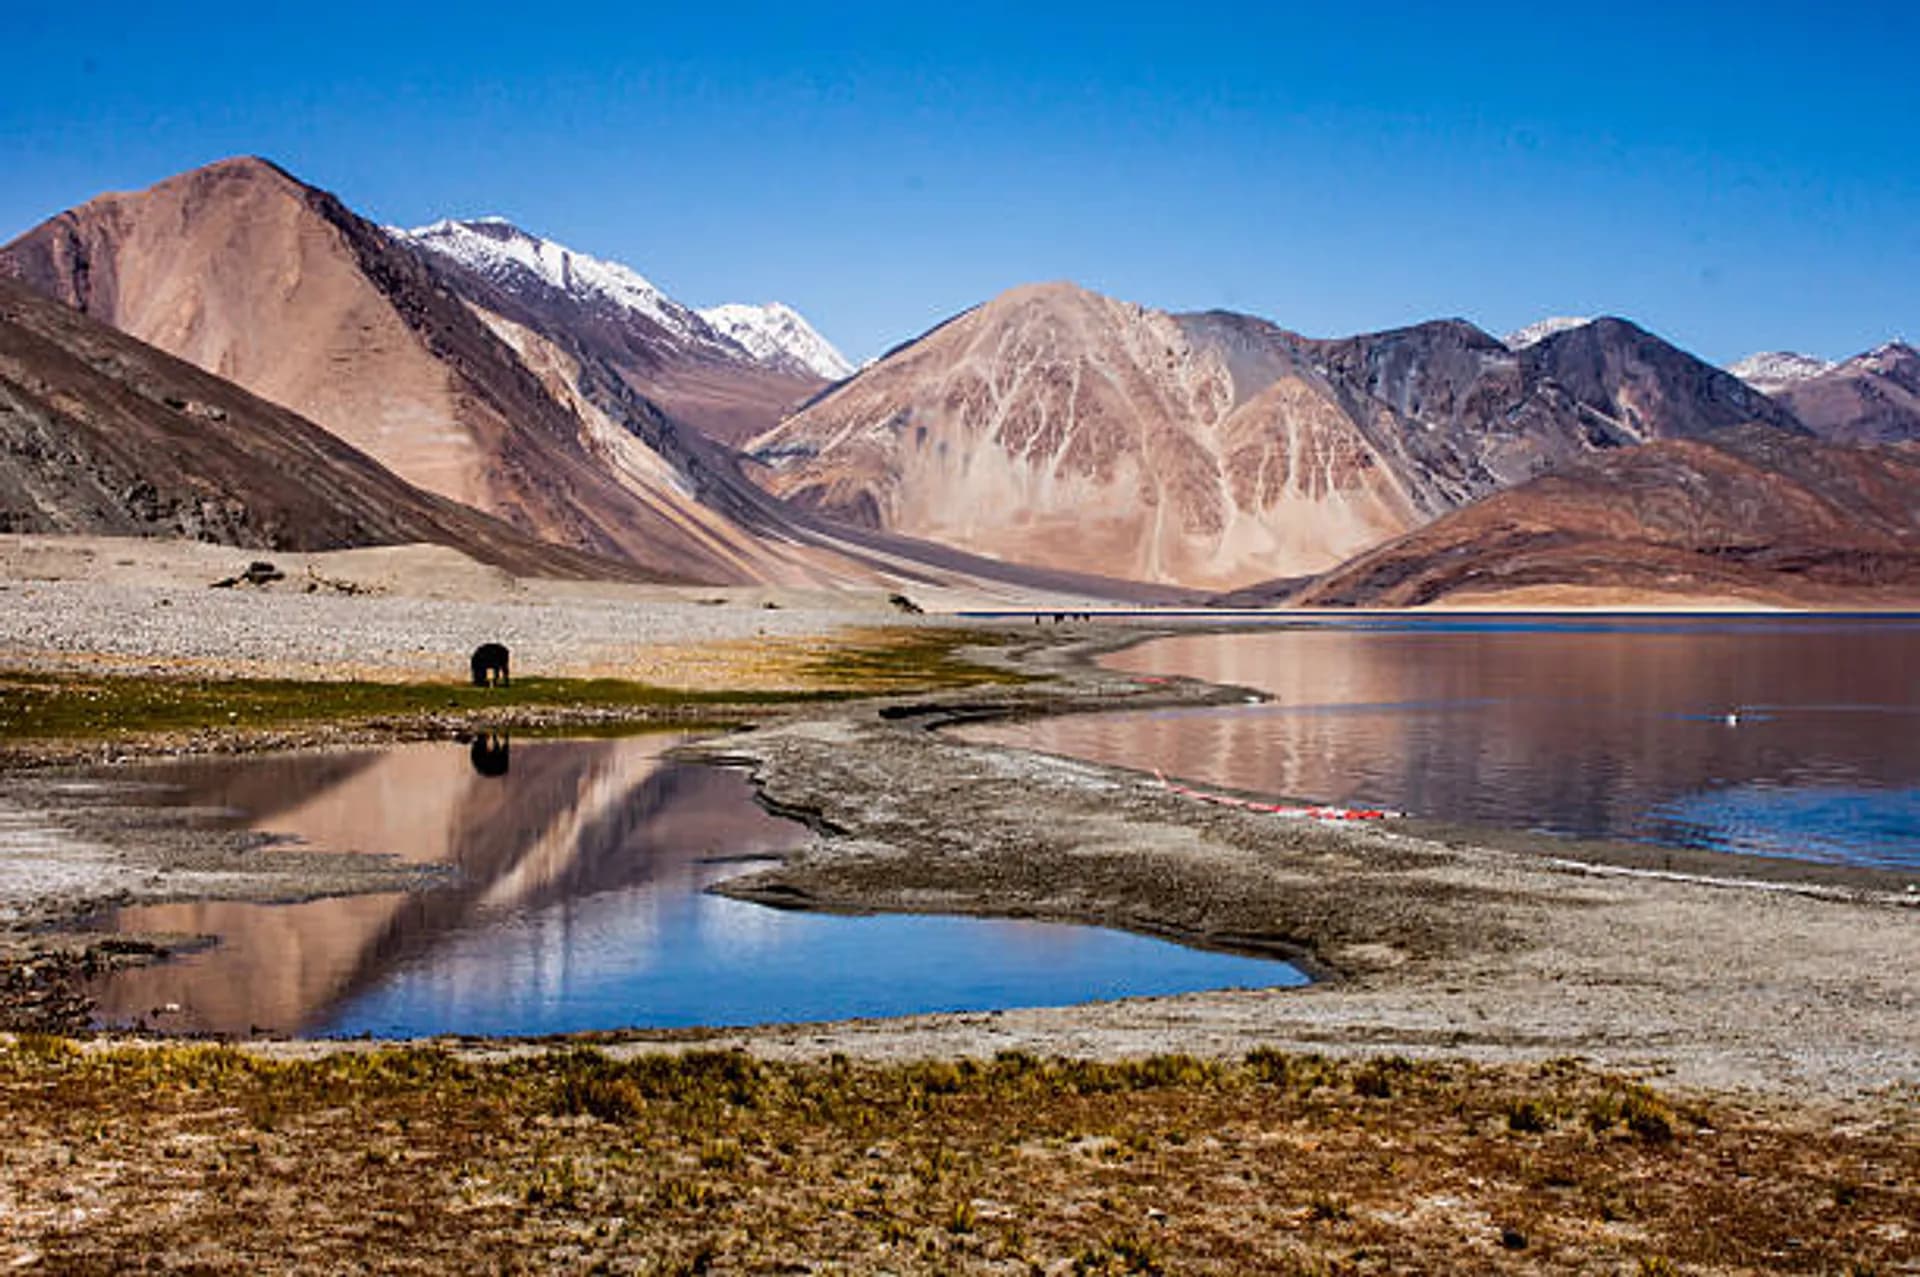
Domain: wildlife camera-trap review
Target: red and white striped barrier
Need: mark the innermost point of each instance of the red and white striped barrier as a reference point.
(1279, 809)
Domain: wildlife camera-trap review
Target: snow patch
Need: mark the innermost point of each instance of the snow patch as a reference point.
(497, 250)
(775, 333)
(1887, 357)
(1535, 333)
(770, 335)
(1771, 370)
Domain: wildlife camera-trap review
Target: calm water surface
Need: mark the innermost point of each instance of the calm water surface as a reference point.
(578, 904)
(1615, 729)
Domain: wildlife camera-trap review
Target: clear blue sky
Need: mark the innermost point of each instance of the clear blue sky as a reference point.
(1735, 177)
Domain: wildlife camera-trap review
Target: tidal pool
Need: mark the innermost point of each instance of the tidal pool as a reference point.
(578, 902)
(1780, 736)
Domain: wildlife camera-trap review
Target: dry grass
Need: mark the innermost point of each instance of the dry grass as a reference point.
(209, 1158)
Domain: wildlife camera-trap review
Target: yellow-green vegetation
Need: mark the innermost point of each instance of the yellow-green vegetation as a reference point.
(907, 660)
(567, 1159)
(38, 706)
(42, 706)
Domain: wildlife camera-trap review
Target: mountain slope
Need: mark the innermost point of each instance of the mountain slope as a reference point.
(1630, 381)
(1753, 513)
(102, 434)
(252, 275)
(1871, 398)
(1058, 427)
(728, 378)
(1053, 426)
(1599, 383)
(775, 333)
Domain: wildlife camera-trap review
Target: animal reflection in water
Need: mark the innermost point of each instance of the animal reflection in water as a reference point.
(490, 665)
(489, 754)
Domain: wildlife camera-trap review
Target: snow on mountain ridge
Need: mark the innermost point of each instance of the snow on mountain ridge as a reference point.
(1535, 333)
(773, 331)
(771, 335)
(493, 246)
(1771, 370)
(1886, 356)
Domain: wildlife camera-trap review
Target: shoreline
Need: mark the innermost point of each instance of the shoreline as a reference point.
(1427, 940)
(1424, 940)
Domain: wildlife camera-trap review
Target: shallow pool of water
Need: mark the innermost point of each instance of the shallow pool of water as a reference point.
(1768, 736)
(579, 903)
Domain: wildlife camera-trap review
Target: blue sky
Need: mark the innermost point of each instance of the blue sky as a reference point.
(1733, 177)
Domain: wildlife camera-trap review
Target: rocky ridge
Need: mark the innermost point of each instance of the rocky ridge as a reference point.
(1058, 427)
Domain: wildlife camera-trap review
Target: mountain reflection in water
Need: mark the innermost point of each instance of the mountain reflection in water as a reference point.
(566, 819)
(1588, 728)
(578, 903)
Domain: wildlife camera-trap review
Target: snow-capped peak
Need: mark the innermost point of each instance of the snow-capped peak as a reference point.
(1771, 370)
(1535, 333)
(1886, 357)
(495, 248)
(774, 333)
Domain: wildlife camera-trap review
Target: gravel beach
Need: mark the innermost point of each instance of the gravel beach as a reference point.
(402, 612)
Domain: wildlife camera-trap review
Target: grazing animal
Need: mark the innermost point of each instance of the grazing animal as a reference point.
(490, 665)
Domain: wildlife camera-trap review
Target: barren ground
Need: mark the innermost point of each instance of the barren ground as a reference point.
(1468, 1087)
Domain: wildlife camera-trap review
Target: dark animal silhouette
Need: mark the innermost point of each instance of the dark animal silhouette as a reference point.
(489, 755)
(490, 665)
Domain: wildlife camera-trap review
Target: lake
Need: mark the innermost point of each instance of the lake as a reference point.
(579, 903)
(1780, 736)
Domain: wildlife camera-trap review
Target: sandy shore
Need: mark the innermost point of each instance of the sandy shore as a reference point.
(1716, 972)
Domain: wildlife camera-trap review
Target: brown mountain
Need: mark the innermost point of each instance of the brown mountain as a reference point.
(1054, 426)
(102, 434)
(1754, 513)
(1058, 427)
(1871, 398)
(275, 285)
(602, 338)
(1600, 384)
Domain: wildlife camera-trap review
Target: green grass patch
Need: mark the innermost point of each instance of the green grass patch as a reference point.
(41, 707)
(60, 707)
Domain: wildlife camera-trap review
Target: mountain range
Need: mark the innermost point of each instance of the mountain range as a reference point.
(725, 371)
(1750, 514)
(1050, 439)
(1871, 398)
(1215, 450)
(105, 435)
